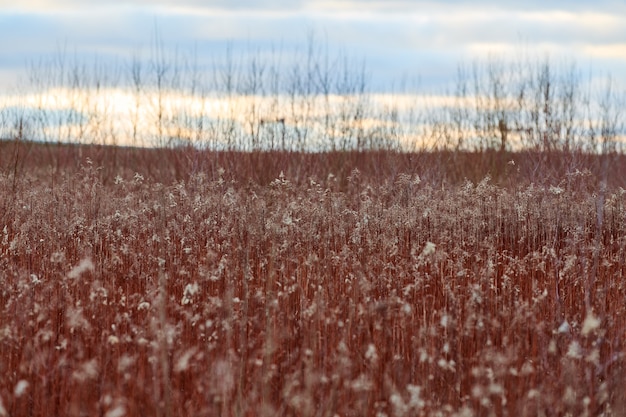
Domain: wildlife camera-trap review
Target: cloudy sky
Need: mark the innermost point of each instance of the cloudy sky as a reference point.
(414, 40)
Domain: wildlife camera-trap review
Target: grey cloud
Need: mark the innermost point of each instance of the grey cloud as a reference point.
(428, 38)
(330, 5)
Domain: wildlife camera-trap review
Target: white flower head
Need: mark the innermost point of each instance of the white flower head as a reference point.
(556, 190)
(564, 327)
(371, 353)
(590, 324)
(574, 350)
(20, 388)
(189, 292)
(83, 266)
(429, 249)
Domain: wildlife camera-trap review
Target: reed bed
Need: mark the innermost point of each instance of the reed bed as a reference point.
(320, 292)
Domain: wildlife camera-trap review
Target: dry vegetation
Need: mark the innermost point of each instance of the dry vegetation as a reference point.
(292, 257)
(352, 284)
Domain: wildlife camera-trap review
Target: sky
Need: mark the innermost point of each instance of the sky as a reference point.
(411, 47)
(399, 41)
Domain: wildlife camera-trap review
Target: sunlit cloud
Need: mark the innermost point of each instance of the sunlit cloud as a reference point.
(613, 51)
(151, 118)
(122, 117)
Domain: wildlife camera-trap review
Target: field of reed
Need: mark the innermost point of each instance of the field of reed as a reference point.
(180, 282)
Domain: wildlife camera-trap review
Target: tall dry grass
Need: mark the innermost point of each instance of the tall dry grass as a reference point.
(368, 292)
(231, 271)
